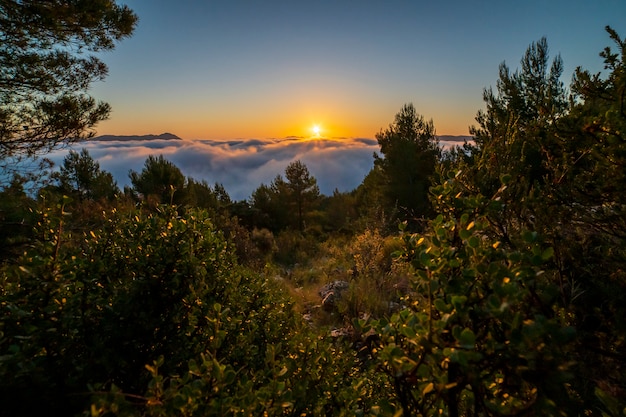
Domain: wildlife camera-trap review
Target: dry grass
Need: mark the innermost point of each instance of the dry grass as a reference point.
(377, 282)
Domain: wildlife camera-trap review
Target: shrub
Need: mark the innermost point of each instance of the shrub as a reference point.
(293, 247)
(480, 336)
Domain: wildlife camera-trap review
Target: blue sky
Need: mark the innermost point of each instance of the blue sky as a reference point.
(268, 72)
(252, 69)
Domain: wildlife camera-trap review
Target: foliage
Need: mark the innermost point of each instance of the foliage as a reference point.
(562, 162)
(287, 202)
(371, 204)
(411, 152)
(502, 282)
(253, 248)
(507, 301)
(293, 247)
(17, 219)
(202, 195)
(593, 258)
(80, 177)
(340, 212)
(302, 190)
(45, 69)
(268, 206)
(306, 376)
(376, 281)
(480, 336)
(160, 181)
(96, 310)
(595, 144)
(516, 132)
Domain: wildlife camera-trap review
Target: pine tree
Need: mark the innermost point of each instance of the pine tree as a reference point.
(47, 66)
(410, 152)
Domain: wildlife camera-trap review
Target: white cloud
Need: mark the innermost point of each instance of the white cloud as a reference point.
(240, 165)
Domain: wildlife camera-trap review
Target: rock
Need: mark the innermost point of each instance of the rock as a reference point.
(331, 293)
(342, 332)
(395, 307)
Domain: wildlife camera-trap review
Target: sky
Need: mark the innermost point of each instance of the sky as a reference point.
(243, 83)
(220, 70)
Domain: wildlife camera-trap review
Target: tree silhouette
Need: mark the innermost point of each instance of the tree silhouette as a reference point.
(80, 176)
(302, 190)
(46, 70)
(410, 151)
(160, 179)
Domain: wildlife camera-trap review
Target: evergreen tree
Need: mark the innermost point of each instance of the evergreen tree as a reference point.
(200, 194)
(591, 187)
(46, 70)
(222, 195)
(269, 210)
(340, 211)
(410, 153)
(302, 190)
(286, 201)
(80, 176)
(160, 179)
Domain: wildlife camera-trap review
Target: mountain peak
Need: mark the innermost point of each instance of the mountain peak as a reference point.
(162, 136)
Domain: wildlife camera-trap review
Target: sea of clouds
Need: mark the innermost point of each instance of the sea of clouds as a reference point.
(242, 165)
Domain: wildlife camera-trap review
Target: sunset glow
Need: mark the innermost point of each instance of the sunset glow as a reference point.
(272, 71)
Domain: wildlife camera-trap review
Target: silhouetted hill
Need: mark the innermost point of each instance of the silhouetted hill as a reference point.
(162, 136)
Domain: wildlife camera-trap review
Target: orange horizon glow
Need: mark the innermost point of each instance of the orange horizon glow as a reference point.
(188, 133)
(291, 110)
(253, 73)
(225, 125)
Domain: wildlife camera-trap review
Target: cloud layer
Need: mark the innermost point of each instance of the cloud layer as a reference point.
(241, 165)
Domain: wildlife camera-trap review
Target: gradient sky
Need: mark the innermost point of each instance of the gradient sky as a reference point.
(268, 69)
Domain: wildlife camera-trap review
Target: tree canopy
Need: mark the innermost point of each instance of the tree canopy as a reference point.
(287, 201)
(302, 188)
(81, 176)
(47, 66)
(159, 179)
(410, 153)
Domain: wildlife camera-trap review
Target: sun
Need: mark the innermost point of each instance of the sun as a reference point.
(316, 130)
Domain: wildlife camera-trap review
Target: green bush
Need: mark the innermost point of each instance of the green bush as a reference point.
(151, 315)
(294, 247)
(480, 336)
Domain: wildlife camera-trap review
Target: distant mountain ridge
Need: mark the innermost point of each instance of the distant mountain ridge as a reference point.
(162, 136)
(171, 136)
(453, 138)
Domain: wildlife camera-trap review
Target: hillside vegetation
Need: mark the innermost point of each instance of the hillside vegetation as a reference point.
(486, 280)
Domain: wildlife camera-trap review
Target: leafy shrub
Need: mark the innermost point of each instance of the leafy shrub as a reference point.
(302, 376)
(293, 247)
(93, 310)
(16, 219)
(480, 336)
(376, 279)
